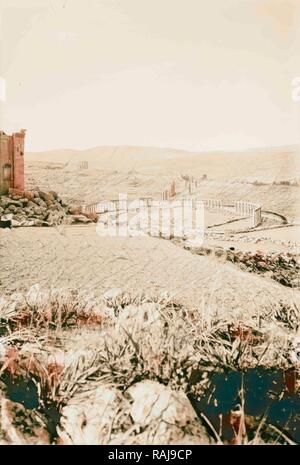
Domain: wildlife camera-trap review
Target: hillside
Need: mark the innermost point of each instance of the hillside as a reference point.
(146, 171)
(265, 165)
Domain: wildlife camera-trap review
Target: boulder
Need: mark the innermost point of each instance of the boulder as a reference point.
(87, 418)
(28, 211)
(30, 204)
(20, 193)
(29, 222)
(163, 415)
(55, 218)
(15, 203)
(19, 215)
(168, 415)
(154, 401)
(46, 196)
(35, 295)
(24, 202)
(75, 210)
(29, 195)
(17, 223)
(54, 194)
(52, 207)
(219, 252)
(39, 210)
(58, 205)
(38, 222)
(40, 202)
(112, 293)
(145, 316)
(4, 201)
(15, 192)
(80, 219)
(21, 426)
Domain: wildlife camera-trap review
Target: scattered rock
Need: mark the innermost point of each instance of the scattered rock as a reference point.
(168, 415)
(16, 223)
(80, 219)
(112, 293)
(46, 196)
(137, 318)
(39, 202)
(282, 267)
(87, 418)
(163, 415)
(24, 201)
(38, 208)
(55, 217)
(92, 216)
(75, 210)
(54, 194)
(21, 426)
(34, 294)
(15, 203)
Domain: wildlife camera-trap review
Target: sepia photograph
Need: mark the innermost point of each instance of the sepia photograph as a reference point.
(149, 225)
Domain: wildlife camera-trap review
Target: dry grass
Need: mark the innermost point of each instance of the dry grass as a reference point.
(54, 311)
(179, 348)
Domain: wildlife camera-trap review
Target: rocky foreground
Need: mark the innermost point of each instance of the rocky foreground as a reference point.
(38, 208)
(121, 369)
(281, 267)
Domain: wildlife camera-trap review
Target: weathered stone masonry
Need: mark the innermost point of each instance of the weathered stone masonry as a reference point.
(11, 161)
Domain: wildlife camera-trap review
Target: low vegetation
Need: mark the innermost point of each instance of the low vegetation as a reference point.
(240, 375)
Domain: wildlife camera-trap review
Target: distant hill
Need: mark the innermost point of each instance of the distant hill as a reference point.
(262, 164)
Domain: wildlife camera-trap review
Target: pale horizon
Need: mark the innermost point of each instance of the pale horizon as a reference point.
(179, 149)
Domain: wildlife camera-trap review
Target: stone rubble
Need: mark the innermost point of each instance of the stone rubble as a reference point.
(158, 415)
(166, 415)
(87, 418)
(38, 208)
(20, 425)
(282, 267)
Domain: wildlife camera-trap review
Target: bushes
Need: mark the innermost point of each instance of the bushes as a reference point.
(78, 343)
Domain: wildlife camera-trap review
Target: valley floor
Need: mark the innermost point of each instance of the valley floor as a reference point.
(76, 257)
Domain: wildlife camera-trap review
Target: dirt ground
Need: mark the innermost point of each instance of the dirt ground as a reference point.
(76, 257)
(181, 309)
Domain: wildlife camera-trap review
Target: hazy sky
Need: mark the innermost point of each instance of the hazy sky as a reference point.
(193, 74)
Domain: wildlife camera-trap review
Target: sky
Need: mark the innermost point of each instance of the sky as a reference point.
(190, 74)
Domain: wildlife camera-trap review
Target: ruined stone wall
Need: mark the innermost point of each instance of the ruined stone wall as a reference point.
(18, 157)
(6, 162)
(11, 161)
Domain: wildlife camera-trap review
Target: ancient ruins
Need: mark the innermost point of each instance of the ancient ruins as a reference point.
(12, 161)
